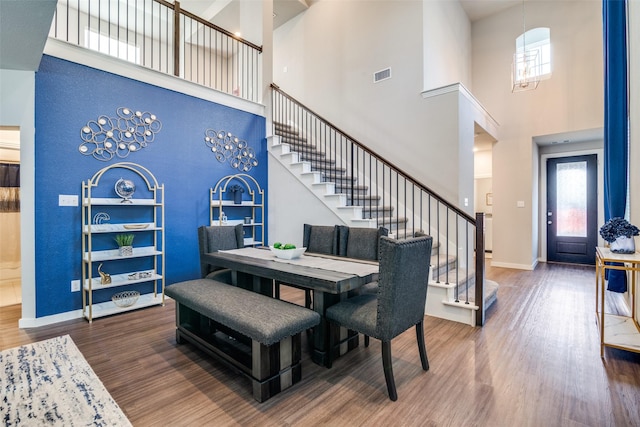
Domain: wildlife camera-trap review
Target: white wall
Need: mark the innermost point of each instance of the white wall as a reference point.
(9, 221)
(17, 108)
(326, 58)
(446, 44)
(291, 205)
(571, 100)
(483, 164)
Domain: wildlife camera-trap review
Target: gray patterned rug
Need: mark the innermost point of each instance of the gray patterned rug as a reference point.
(50, 383)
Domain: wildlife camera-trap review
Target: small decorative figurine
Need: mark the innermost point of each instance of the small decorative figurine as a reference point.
(105, 278)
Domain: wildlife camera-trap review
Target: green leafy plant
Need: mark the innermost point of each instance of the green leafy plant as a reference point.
(617, 227)
(124, 239)
(279, 245)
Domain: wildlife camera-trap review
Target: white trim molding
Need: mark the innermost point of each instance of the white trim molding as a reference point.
(486, 120)
(100, 61)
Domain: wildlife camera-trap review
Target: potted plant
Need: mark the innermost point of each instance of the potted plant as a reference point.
(125, 242)
(237, 191)
(618, 232)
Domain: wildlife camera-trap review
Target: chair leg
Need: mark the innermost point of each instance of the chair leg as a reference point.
(307, 298)
(421, 347)
(366, 340)
(276, 290)
(332, 337)
(388, 370)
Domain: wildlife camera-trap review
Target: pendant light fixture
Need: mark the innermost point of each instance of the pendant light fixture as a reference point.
(525, 70)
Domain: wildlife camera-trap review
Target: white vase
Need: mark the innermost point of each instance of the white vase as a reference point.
(125, 250)
(623, 245)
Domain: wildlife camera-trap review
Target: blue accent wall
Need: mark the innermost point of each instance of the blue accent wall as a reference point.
(69, 95)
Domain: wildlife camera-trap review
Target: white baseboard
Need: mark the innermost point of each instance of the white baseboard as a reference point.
(26, 323)
(514, 266)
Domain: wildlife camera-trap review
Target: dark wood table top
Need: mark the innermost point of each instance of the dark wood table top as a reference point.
(318, 279)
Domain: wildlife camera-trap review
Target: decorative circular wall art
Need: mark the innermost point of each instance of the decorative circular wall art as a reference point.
(119, 136)
(228, 147)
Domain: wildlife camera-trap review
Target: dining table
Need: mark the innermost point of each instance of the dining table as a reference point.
(332, 279)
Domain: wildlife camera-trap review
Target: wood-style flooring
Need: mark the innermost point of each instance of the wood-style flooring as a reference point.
(536, 362)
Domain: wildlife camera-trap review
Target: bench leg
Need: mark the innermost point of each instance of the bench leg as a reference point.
(276, 367)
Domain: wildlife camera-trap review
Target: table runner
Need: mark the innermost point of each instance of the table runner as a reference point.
(331, 264)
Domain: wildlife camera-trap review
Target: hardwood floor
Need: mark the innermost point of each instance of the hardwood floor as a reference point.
(535, 363)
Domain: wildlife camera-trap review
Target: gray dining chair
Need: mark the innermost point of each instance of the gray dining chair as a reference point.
(218, 238)
(399, 304)
(360, 242)
(319, 239)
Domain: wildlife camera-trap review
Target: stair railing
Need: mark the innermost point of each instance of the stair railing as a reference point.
(164, 37)
(369, 180)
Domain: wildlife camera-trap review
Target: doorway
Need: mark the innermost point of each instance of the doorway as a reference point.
(10, 263)
(572, 209)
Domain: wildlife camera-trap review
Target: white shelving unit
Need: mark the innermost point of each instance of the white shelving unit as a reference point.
(221, 200)
(149, 204)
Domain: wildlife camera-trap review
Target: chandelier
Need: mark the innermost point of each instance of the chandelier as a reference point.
(525, 70)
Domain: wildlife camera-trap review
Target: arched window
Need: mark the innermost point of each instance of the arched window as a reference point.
(532, 60)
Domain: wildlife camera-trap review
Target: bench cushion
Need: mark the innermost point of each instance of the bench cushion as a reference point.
(261, 318)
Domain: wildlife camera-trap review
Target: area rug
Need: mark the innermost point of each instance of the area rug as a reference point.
(49, 383)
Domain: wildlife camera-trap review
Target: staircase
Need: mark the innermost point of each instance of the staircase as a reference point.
(359, 202)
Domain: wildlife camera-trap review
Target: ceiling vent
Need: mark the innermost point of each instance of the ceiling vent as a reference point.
(382, 75)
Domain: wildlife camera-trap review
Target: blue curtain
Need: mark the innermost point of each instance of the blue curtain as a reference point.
(616, 112)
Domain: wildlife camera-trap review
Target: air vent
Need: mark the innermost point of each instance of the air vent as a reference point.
(382, 75)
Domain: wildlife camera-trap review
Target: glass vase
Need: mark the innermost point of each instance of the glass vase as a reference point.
(623, 245)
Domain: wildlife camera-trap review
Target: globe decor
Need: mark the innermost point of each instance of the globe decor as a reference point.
(618, 232)
(125, 189)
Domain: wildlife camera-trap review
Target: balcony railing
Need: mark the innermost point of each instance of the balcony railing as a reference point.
(161, 36)
(388, 196)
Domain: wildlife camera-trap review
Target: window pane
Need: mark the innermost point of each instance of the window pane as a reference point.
(537, 40)
(571, 196)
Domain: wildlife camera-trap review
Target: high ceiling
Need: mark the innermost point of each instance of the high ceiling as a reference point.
(24, 25)
(478, 9)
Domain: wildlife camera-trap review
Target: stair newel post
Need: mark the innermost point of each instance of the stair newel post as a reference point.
(480, 267)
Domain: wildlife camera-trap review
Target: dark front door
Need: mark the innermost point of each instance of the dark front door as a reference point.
(572, 211)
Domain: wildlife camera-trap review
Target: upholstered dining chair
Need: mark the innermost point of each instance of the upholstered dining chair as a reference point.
(218, 238)
(399, 304)
(360, 242)
(319, 239)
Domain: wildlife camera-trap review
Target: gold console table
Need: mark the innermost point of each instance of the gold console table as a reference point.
(617, 331)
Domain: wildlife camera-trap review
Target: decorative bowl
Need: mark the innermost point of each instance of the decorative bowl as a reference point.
(288, 253)
(125, 298)
(135, 226)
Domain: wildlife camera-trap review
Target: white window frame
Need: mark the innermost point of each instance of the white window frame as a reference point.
(537, 40)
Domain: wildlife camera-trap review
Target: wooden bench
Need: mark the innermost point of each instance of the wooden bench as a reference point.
(253, 333)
